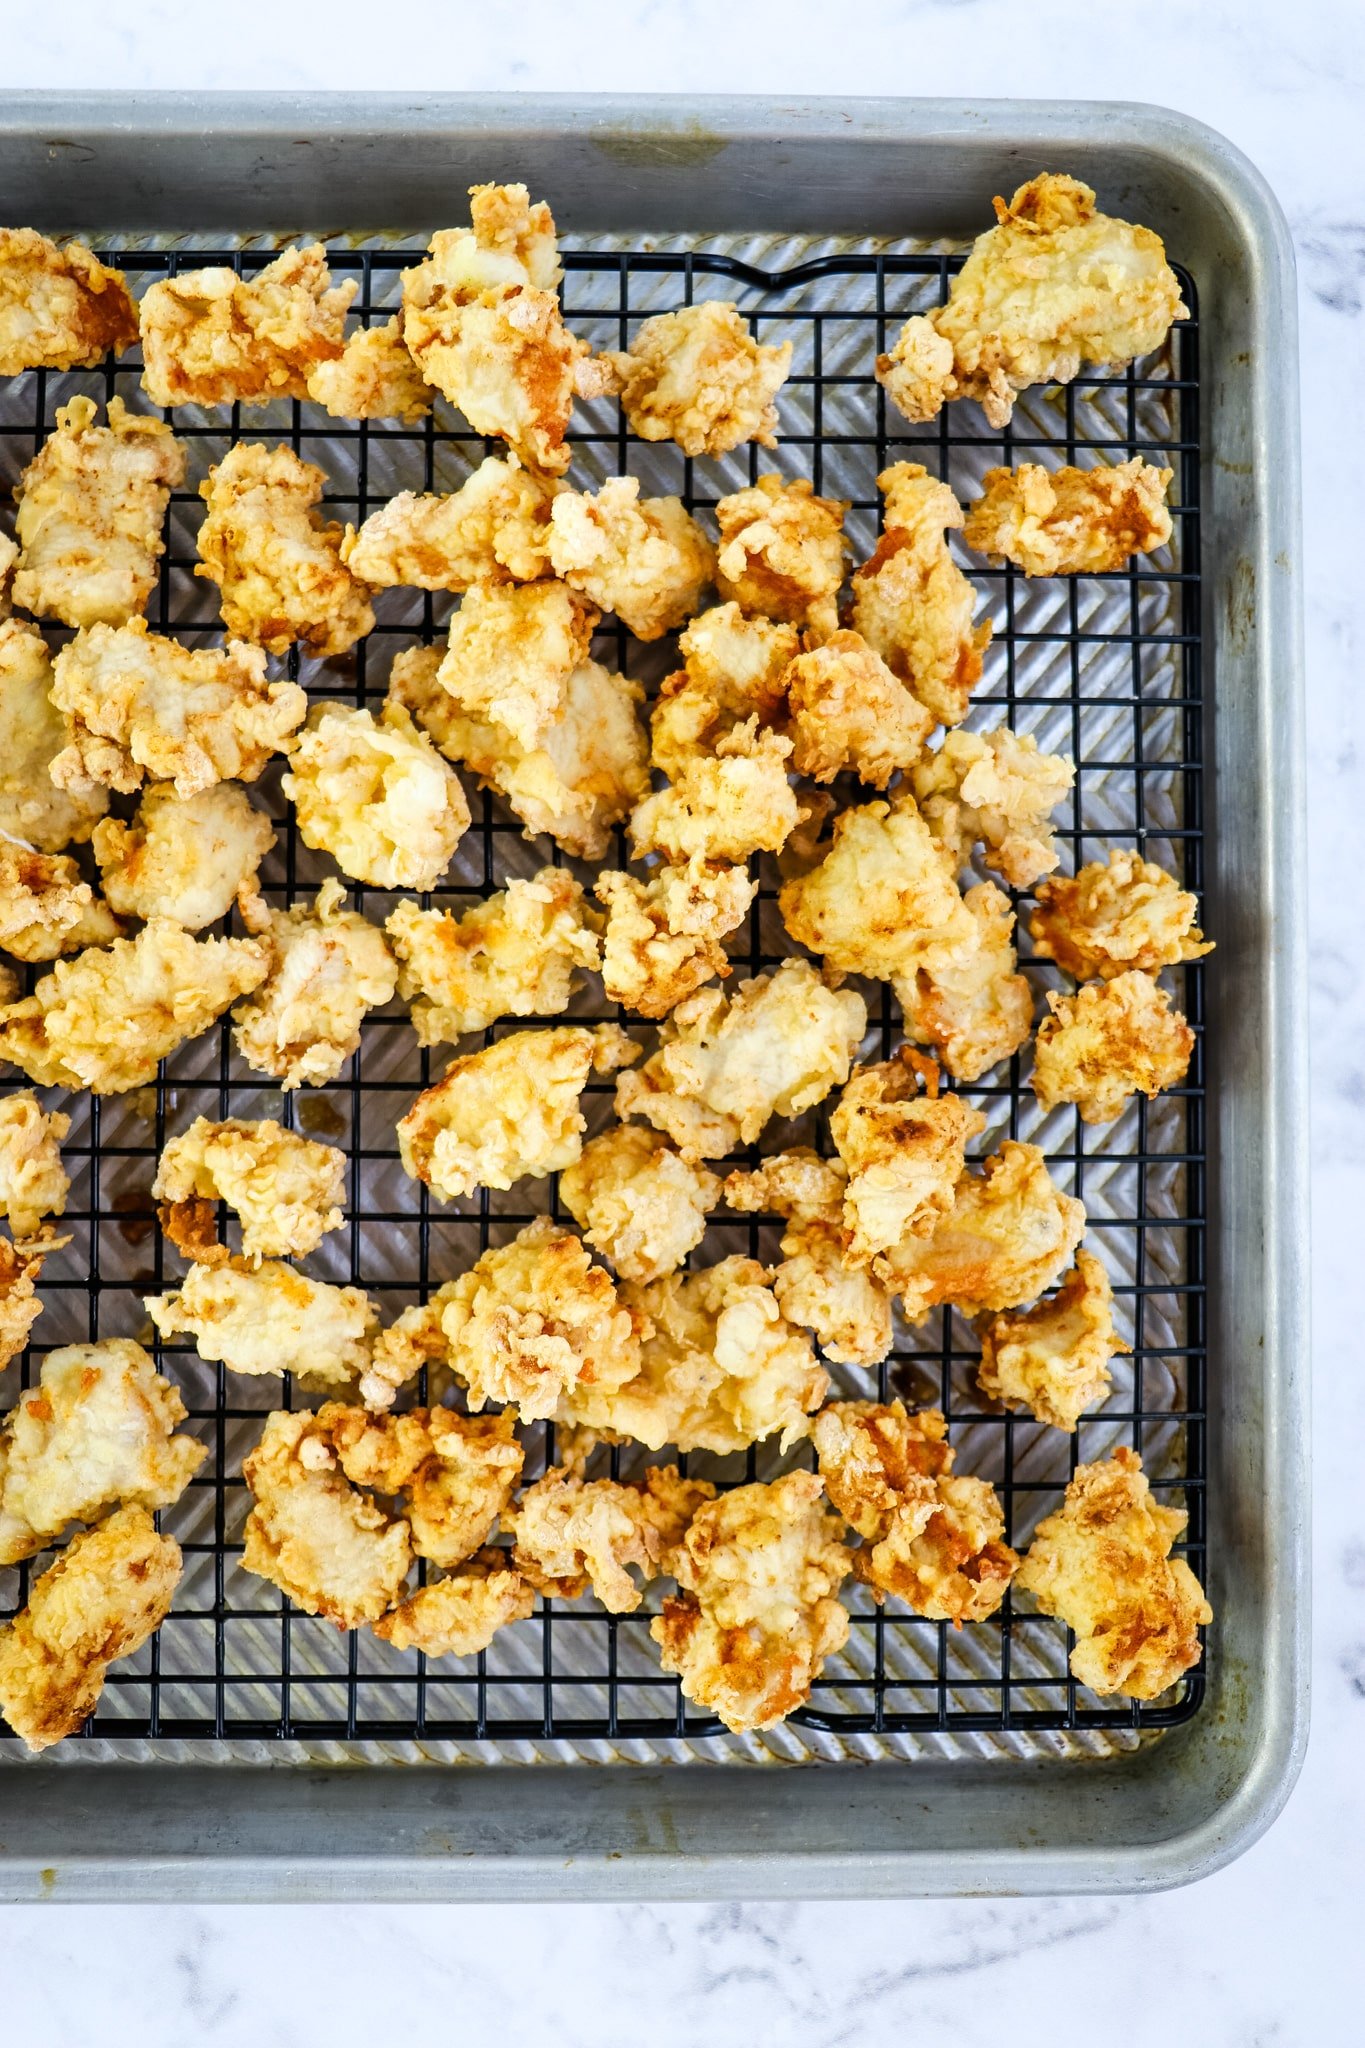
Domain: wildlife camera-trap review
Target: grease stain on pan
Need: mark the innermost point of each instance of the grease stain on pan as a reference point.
(680, 148)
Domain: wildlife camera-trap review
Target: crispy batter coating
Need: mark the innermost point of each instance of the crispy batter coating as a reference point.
(32, 734)
(460, 1615)
(91, 506)
(9, 555)
(969, 1003)
(998, 790)
(513, 955)
(33, 1181)
(327, 967)
(286, 1190)
(905, 1153)
(884, 900)
(1102, 1563)
(376, 795)
(493, 527)
(455, 1473)
(508, 1111)
(912, 603)
(46, 908)
(646, 559)
(782, 552)
(734, 670)
(331, 1548)
(512, 648)
(723, 806)
(210, 337)
(1070, 522)
(637, 1202)
(1010, 1234)
(140, 707)
(1112, 1039)
(848, 711)
(847, 1309)
(107, 1593)
(183, 857)
(105, 1018)
(267, 1319)
(1108, 918)
(756, 1619)
(20, 1269)
(1053, 285)
(663, 937)
(413, 1340)
(97, 1430)
(726, 1064)
(60, 308)
(374, 378)
(699, 378)
(572, 1533)
(1053, 1360)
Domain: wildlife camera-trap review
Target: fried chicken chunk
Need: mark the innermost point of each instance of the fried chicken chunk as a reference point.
(46, 909)
(995, 789)
(734, 670)
(1070, 522)
(455, 1473)
(1053, 1360)
(782, 552)
(699, 378)
(1054, 285)
(574, 1533)
(326, 967)
(513, 955)
(723, 806)
(60, 308)
(931, 1539)
(663, 937)
(847, 711)
(637, 1202)
(646, 559)
(968, 1002)
(905, 1153)
(286, 1190)
(376, 795)
(20, 1268)
(267, 1318)
(183, 857)
(458, 1616)
(884, 900)
(492, 528)
(105, 1018)
(912, 603)
(106, 1594)
(512, 648)
(98, 1430)
(210, 337)
(91, 506)
(847, 1309)
(331, 1548)
(1102, 1564)
(374, 378)
(33, 1181)
(1106, 919)
(726, 1064)
(756, 1618)
(1112, 1039)
(508, 1111)
(32, 734)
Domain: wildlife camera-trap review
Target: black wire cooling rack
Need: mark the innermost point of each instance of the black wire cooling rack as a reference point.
(1105, 668)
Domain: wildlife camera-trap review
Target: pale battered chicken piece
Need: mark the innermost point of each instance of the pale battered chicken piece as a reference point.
(663, 936)
(183, 857)
(327, 967)
(570, 1533)
(847, 711)
(210, 337)
(414, 1340)
(46, 907)
(930, 1539)
(9, 555)
(970, 1003)
(1054, 285)
(782, 552)
(492, 528)
(720, 1367)
(1010, 1234)
(912, 603)
(376, 795)
(60, 308)
(104, 1019)
(637, 1202)
(140, 707)
(455, 1473)
(1053, 1360)
(1070, 522)
(268, 1319)
(905, 1153)
(33, 1182)
(591, 766)
(91, 505)
(512, 647)
(514, 955)
(286, 1190)
(699, 378)
(20, 1269)
(97, 1430)
(1112, 1039)
(1108, 918)
(726, 1064)
(374, 378)
(995, 789)
(756, 1618)
(734, 670)
(847, 1310)
(884, 900)
(508, 1111)
(32, 734)
(110, 1590)
(646, 559)
(328, 1546)
(723, 806)
(460, 1615)
(1102, 1564)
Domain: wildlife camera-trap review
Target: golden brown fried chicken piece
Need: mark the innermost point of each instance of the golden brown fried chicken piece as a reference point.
(512, 648)
(1102, 1564)
(20, 1269)
(847, 1309)
(1070, 522)
(60, 308)
(46, 909)
(183, 857)
(699, 378)
(327, 967)
(663, 937)
(847, 711)
(884, 900)
(105, 1018)
(1108, 918)
(455, 1473)
(782, 552)
(904, 1151)
(286, 1190)
(968, 1002)
(33, 1182)
(91, 507)
(646, 559)
(513, 955)
(108, 1592)
(32, 734)
(734, 670)
(1112, 1039)
(994, 789)
(460, 1615)
(96, 1431)
(637, 1202)
(376, 795)
(266, 1318)
(1053, 1360)
(328, 1546)
(492, 528)
(723, 806)
(756, 1618)
(574, 1533)
(912, 603)
(9, 555)
(210, 337)
(374, 378)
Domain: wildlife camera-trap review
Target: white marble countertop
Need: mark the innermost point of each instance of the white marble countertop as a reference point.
(1265, 1951)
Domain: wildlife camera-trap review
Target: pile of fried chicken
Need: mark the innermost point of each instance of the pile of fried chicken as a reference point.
(128, 834)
